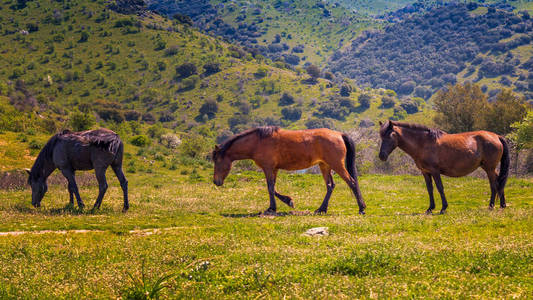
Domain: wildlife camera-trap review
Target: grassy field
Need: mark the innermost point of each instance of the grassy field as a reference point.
(214, 245)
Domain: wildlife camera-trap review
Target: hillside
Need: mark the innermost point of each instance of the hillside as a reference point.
(458, 42)
(145, 69)
(296, 32)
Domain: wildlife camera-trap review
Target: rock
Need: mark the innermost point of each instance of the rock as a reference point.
(321, 231)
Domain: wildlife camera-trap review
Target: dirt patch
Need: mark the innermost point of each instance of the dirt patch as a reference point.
(148, 231)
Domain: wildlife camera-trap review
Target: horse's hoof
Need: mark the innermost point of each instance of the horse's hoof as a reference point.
(362, 212)
(125, 210)
(491, 207)
(270, 212)
(442, 212)
(291, 204)
(503, 206)
(320, 212)
(429, 211)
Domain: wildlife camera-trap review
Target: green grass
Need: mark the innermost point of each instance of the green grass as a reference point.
(213, 243)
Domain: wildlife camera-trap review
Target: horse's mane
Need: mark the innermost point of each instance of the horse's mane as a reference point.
(262, 132)
(45, 155)
(434, 133)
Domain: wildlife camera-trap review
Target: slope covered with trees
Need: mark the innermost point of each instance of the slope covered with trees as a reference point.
(459, 42)
(296, 32)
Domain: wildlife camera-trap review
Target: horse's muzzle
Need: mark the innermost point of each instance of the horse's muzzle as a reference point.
(217, 182)
(383, 156)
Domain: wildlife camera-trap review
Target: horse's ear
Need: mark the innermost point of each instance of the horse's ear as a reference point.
(217, 148)
(380, 123)
(390, 124)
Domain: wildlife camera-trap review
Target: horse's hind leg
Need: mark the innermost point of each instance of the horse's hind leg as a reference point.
(353, 184)
(429, 186)
(102, 185)
(330, 185)
(285, 199)
(71, 195)
(123, 184)
(440, 188)
(491, 174)
(72, 186)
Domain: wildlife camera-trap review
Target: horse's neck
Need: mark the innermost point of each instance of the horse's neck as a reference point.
(243, 148)
(411, 142)
(45, 168)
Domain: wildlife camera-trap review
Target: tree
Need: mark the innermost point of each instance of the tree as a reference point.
(313, 71)
(522, 135)
(459, 107)
(286, 99)
(506, 110)
(185, 70)
(80, 121)
(209, 108)
(211, 68)
(291, 113)
(364, 100)
(345, 90)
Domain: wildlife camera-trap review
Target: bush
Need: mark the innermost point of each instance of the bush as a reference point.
(286, 99)
(185, 70)
(399, 114)
(313, 71)
(410, 107)
(140, 140)
(209, 108)
(190, 83)
(261, 72)
(80, 121)
(194, 146)
(291, 113)
(84, 37)
(345, 90)
(211, 68)
(364, 100)
(111, 114)
(320, 123)
(387, 102)
(170, 140)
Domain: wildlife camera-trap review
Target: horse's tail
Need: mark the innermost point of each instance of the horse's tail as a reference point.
(504, 164)
(350, 166)
(350, 155)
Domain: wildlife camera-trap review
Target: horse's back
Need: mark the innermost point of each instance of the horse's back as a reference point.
(462, 153)
(300, 149)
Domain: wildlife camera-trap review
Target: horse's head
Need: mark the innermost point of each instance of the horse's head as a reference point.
(38, 188)
(389, 140)
(222, 166)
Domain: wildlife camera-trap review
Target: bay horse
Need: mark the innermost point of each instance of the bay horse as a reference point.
(272, 149)
(70, 151)
(436, 152)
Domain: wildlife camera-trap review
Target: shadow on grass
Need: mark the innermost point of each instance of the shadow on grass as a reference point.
(68, 209)
(269, 215)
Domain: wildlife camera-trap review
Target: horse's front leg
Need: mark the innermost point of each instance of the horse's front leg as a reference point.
(330, 185)
(440, 188)
(429, 186)
(271, 183)
(286, 199)
(72, 186)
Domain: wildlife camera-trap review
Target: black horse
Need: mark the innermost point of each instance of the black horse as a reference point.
(70, 151)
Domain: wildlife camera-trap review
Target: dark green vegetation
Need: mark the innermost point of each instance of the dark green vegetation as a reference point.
(456, 43)
(213, 245)
(295, 32)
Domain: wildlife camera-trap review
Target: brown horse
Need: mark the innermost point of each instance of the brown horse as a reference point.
(70, 151)
(272, 148)
(435, 152)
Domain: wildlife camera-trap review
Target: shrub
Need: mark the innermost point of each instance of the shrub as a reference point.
(345, 90)
(132, 115)
(211, 68)
(399, 114)
(364, 100)
(286, 99)
(172, 50)
(148, 117)
(313, 71)
(209, 108)
(291, 113)
(190, 82)
(387, 102)
(183, 19)
(320, 123)
(185, 70)
(140, 140)
(84, 37)
(111, 114)
(194, 146)
(261, 72)
(80, 121)
(170, 140)
(410, 106)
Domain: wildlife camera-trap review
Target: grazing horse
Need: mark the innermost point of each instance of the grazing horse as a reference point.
(435, 152)
(70, 151)
(272, 148)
